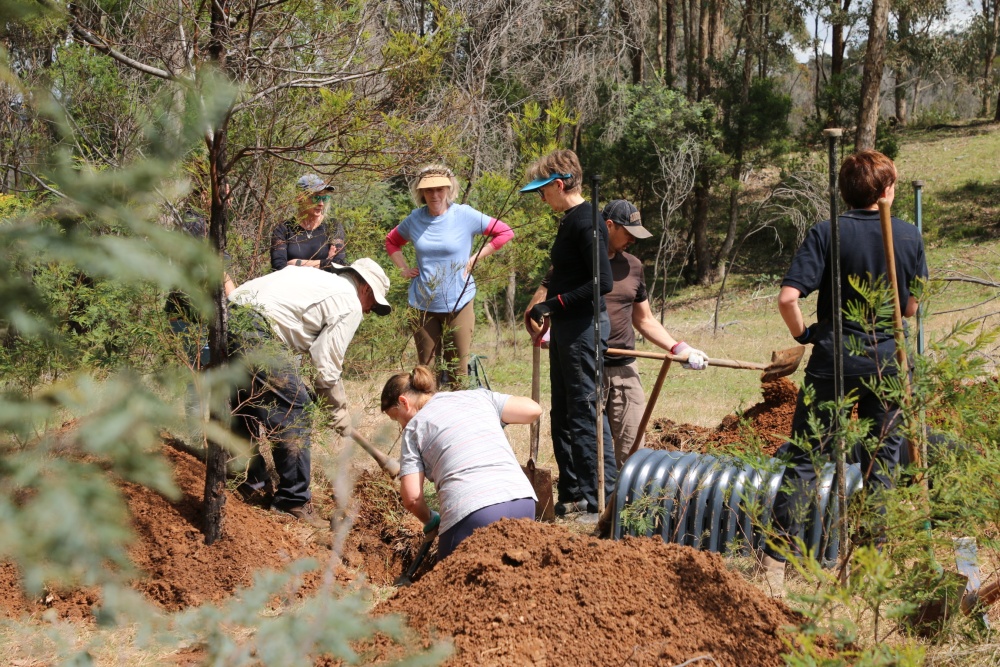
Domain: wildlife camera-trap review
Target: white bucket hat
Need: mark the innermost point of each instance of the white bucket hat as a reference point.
(369, 271)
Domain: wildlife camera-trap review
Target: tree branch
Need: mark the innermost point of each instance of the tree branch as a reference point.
(105, 48)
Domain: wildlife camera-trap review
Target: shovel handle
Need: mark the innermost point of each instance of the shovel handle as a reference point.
(536, 393)
(725, 363)
(390, 466)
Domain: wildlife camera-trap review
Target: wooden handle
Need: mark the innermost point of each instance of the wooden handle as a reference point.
(536, 392)
(725, 363)
(390, 466)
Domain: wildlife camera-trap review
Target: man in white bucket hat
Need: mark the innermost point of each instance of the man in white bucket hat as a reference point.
(309, 312)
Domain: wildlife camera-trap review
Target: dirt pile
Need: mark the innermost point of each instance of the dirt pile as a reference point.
(525, 593)
(767, 424)
(179, 569)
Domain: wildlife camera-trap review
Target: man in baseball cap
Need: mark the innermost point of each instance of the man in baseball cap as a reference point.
(629, 311)
(307, 312)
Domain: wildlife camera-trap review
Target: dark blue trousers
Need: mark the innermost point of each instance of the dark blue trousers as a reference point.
(272, 407)
(878, 466)
(572, 369)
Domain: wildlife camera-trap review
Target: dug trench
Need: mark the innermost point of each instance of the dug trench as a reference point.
(517, 593)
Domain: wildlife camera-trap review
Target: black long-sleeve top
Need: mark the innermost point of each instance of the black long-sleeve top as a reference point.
(570, 286)
(290, 242)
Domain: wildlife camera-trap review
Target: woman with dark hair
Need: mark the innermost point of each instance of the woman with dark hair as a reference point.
(456, 440)
(309, 239)
(442, 290)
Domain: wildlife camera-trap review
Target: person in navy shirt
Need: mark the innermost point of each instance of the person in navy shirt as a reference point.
(865, 177)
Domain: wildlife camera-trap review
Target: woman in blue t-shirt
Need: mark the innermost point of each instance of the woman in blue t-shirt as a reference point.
(442, 288)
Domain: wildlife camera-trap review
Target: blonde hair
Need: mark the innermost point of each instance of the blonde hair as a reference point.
(562, 161)
(421, 381)
(435, 169)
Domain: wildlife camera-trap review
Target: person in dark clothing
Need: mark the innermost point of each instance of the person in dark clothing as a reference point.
(568, 304)
(865, 177)
(309, 239)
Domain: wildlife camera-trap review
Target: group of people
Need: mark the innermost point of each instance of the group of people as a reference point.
(456, 439)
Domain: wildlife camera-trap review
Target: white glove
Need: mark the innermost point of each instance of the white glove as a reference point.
(697, 360)
(692, 358)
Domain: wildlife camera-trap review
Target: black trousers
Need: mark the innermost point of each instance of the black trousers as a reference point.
(271, 407)
(572, 371)
(796, 495)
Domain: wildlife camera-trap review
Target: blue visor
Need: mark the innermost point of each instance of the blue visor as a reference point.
(539, 183)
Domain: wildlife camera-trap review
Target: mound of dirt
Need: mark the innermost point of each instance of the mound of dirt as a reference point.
(768, 424)
(179, 569)
(526, 593)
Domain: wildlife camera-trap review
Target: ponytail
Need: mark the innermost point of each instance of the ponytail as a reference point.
(420, 381)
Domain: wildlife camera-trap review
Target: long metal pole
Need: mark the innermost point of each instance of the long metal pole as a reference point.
(832, 134)
(918, 187)
(598, 358)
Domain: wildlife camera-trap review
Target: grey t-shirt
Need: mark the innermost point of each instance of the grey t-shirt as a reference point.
(457, 441)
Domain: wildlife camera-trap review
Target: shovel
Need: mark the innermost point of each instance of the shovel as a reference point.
(783, 362)
(406, 578)
(389, 465)
(540, 478)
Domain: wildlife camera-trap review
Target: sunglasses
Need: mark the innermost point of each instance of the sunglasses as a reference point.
(320, 199)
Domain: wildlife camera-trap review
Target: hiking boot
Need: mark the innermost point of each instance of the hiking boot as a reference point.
(256, 497)
(773, 572)
(571, 507)
(306, 513)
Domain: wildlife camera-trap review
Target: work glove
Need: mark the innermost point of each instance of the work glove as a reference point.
(539, 312)
(806, 336)
(692, 358)
(432, 523)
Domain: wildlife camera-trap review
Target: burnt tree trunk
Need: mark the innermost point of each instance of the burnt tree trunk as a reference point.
(216, 458)
(871, 79)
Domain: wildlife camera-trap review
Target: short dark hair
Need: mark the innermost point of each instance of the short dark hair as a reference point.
(864, 176)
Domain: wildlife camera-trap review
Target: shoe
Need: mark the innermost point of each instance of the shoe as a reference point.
(572, 507)
(306, 513)
(773, 571)
(256, 497)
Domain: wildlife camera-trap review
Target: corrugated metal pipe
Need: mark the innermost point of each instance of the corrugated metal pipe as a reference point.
(706, 502)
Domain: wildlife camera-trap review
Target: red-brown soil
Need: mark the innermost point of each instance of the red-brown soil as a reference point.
(180, 571)
(526, 593)
(766, 425)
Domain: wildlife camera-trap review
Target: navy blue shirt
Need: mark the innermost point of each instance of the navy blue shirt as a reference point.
(863, 257)
(289, 242)
(572, 257)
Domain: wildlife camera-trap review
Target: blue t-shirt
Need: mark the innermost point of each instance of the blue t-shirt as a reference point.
(443, 245)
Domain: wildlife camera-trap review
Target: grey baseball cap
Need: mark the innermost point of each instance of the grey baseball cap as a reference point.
(313, 183)
(623, 213)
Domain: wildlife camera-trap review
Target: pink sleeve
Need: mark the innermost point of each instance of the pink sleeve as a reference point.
(394, 241)
(499, 233)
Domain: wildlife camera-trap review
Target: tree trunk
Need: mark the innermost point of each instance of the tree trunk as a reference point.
(670, 46)
(837, 52)
(871, 79)
(902, 73)
(691, 47)
(216, 458)
(699, 227)
(991, 51)
(634, 44)
(704, 18)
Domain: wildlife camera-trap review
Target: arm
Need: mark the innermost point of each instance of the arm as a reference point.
(337, 243)
(788, 307)
(585, 291)
(911, 307)
(650, 327)
(520, 410)
(279, 247)
(394, 243)
(499, 233)
(411, 490)
(228, 285)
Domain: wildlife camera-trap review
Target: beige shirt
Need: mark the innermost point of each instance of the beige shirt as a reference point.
(310, 310)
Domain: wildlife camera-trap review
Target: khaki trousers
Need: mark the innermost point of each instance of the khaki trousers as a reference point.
(625, 403)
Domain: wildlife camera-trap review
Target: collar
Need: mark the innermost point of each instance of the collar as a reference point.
(861, 214)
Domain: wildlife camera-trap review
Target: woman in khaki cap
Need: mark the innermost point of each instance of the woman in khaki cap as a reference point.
(442, 288)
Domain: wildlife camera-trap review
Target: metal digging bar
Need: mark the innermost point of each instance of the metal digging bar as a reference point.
(832, 134)
(598, 356)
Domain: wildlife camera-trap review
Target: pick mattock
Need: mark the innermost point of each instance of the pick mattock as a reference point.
(389, 465)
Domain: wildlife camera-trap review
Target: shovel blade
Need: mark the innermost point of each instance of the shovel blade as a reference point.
(541, 482)
(783, 363)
